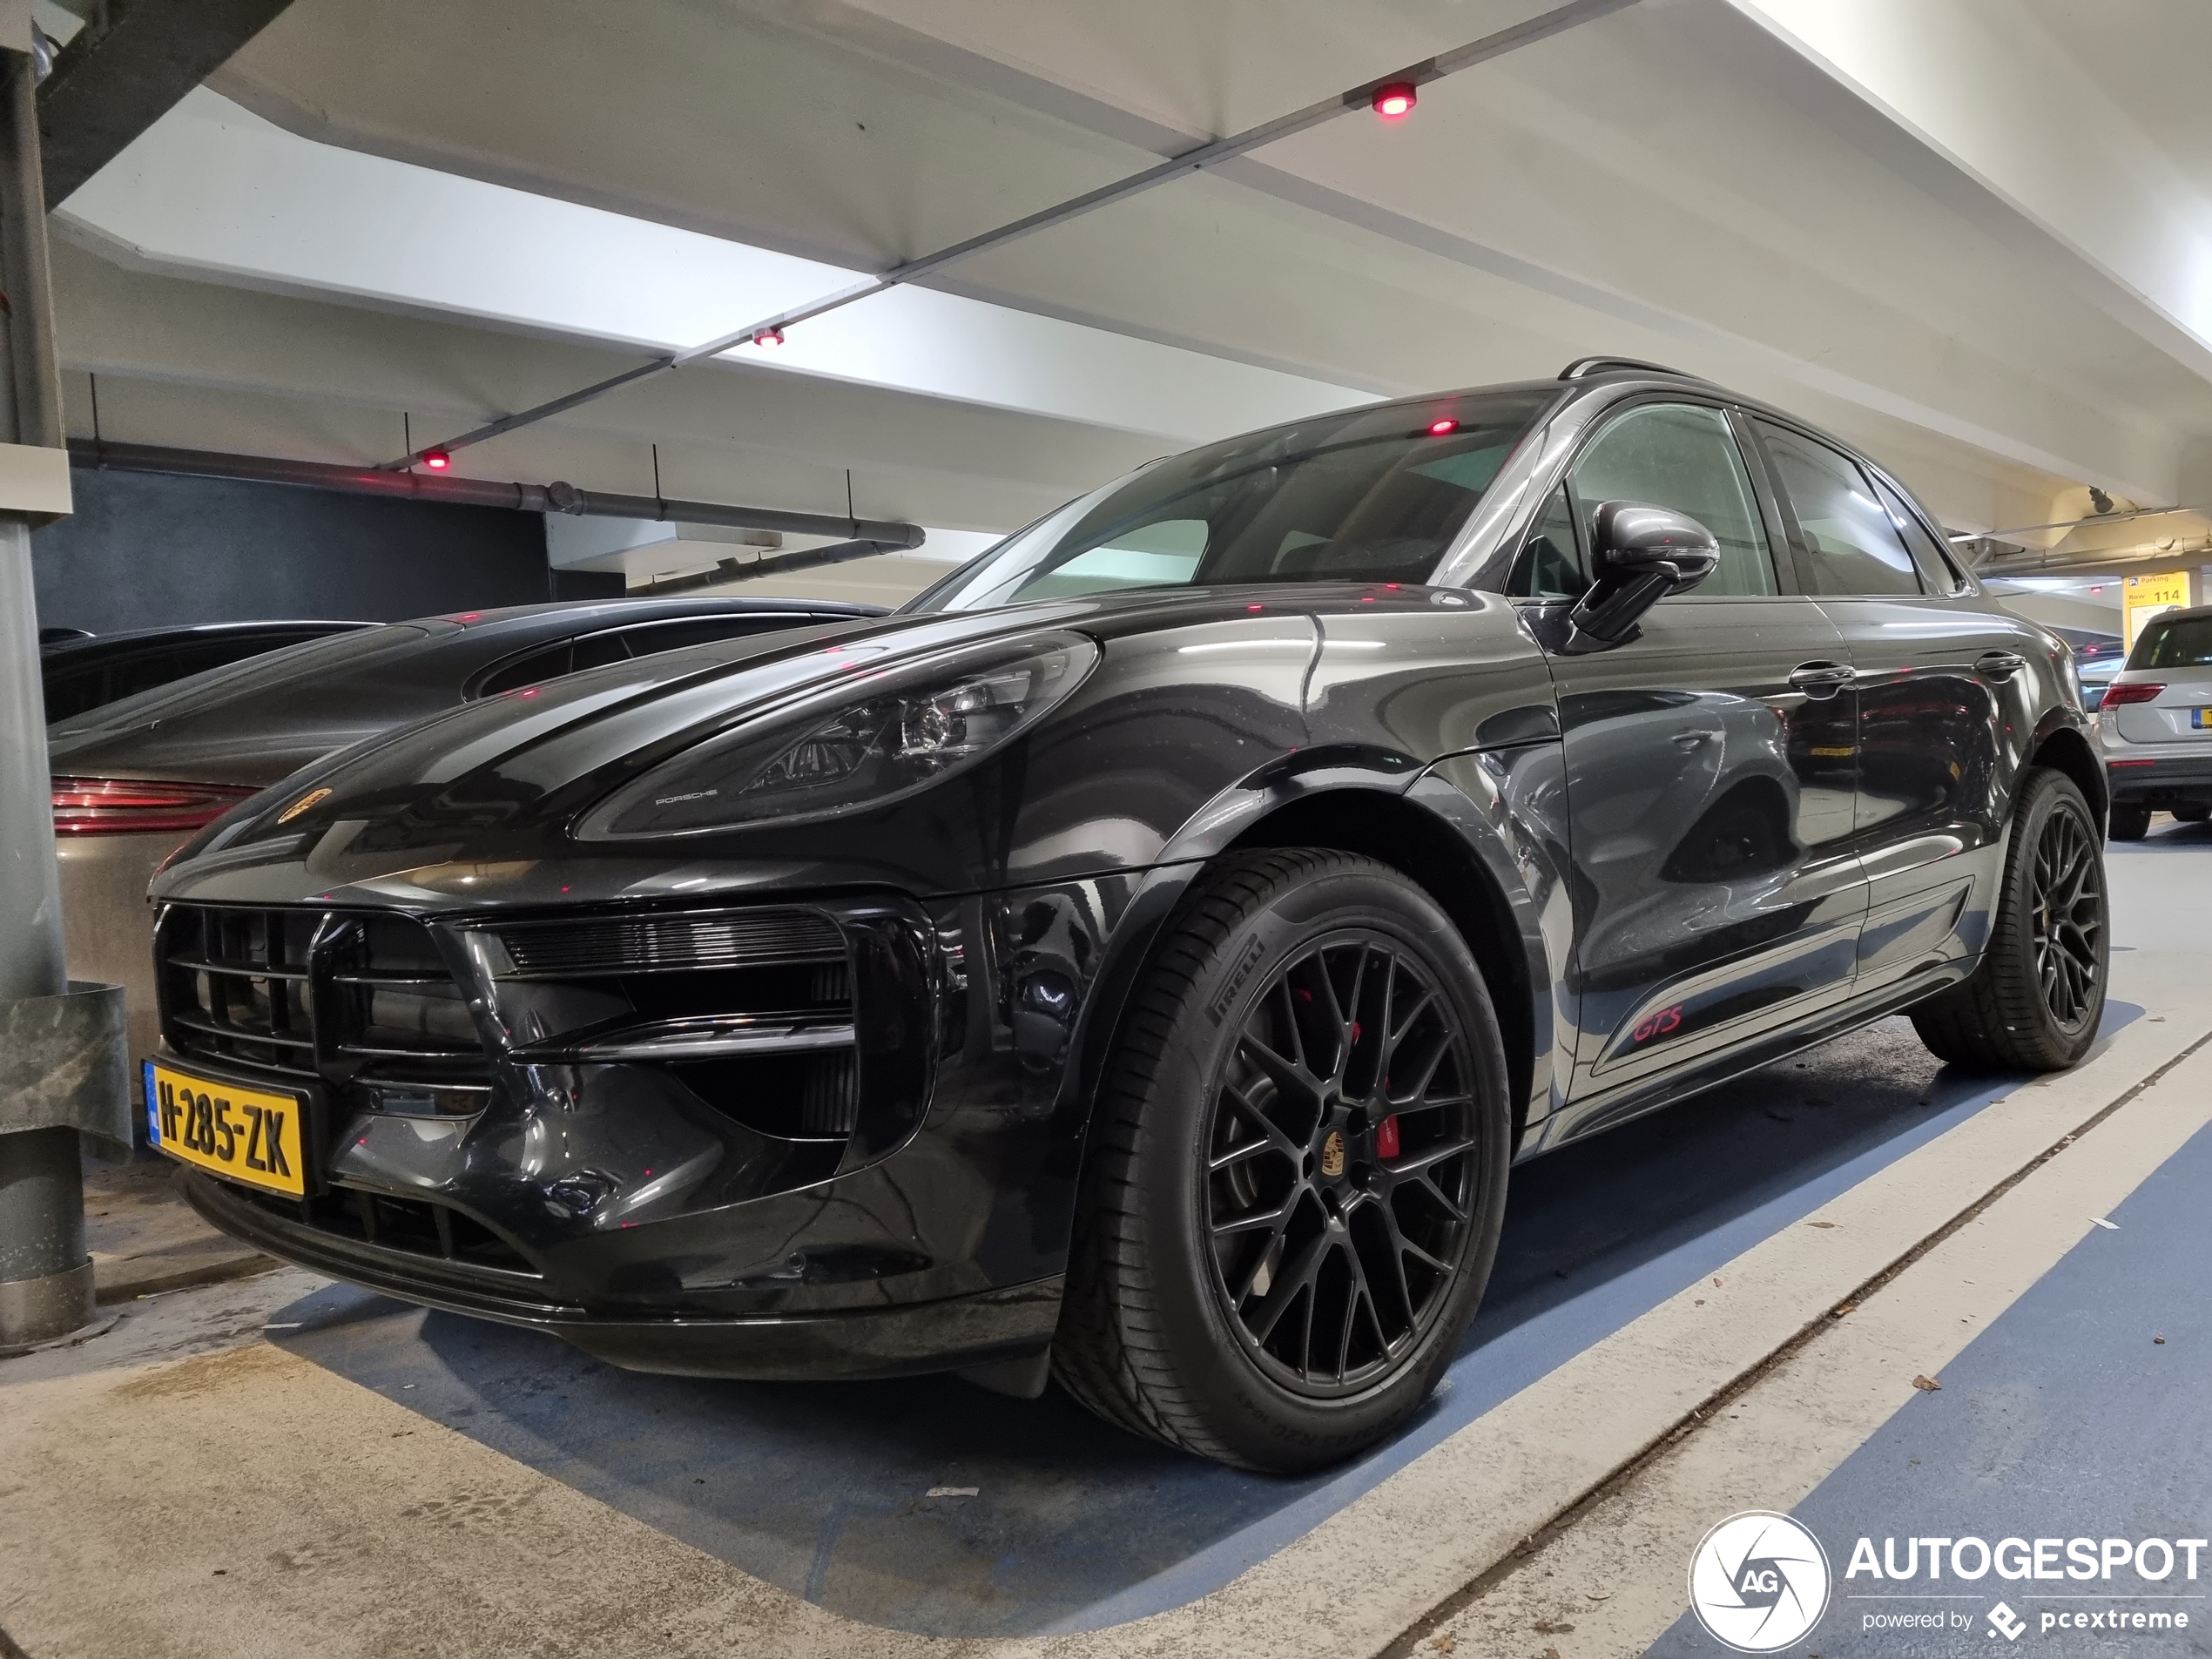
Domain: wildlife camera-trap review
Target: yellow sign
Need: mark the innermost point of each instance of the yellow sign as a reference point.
(2144, 597)
(246, 1134)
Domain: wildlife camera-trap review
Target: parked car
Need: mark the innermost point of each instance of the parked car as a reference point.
(84, 670)
(1140, 960)
(2097, 657)
(133, 778)
(2154, 726)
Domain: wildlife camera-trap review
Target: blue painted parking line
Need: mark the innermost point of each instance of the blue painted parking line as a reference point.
(826, 1490)
(2067, 1419)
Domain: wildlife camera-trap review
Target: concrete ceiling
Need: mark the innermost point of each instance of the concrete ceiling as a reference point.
(1972, 235)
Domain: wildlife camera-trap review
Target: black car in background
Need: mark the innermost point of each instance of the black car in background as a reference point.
(83, 671)
(1141, 960)
(134, 778)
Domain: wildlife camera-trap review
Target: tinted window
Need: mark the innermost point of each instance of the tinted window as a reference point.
(647, 638)
(311, 676)
(547, 662)
(73, 690)
(1853, 547)
(1684, 457)
(2185, 644)
(1371, 494)
(1549, 567)
(1938, 571)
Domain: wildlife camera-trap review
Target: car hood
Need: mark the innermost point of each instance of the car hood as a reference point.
(494, 783)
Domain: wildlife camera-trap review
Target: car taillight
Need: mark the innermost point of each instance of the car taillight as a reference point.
(2118, 695)
(125, 806)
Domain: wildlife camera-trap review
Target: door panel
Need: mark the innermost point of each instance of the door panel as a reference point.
(1717, 894)
(1942, 683)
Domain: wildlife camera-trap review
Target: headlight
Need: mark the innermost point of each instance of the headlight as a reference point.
(871, 738)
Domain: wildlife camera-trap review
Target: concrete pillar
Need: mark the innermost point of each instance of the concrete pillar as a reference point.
(45, 1276)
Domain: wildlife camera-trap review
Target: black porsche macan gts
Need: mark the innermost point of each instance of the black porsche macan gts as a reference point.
(1140, 961)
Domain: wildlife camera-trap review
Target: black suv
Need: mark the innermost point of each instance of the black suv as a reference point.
(1140, 960)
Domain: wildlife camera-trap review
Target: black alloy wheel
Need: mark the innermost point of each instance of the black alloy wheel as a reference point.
(2035, 1002)
(1342, 1159)
(1295, 1172)
(2066, 889)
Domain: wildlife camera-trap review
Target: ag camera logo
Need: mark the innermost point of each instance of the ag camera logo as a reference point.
(1758, 1581)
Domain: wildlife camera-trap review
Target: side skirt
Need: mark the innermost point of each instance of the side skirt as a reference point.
(1579, 1120)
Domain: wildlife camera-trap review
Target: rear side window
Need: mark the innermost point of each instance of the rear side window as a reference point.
(2185, 644)
(1853, 546)
(1937, 570)
(1682, 455)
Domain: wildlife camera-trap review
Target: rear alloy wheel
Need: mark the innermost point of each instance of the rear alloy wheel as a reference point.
(1296, 1171)
(2129, 823)
(2035, 1002)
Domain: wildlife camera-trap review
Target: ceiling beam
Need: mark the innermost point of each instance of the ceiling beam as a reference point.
(126, 69)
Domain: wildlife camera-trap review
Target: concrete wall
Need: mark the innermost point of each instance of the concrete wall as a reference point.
(144, 550)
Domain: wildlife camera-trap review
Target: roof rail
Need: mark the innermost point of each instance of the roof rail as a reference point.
(1582, 367)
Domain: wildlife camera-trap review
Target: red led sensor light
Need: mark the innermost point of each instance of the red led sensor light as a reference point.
(1438, 428)
(1395, 101)
(438, 461)
(768, 337)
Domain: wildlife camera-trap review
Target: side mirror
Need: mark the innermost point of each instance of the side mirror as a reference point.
(1640, 554)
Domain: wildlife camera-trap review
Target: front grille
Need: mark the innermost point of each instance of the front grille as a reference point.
(670, 944)
(751, 1010)
(415, 1226)
(804, 1029)
(236, 990)
(361, 1003)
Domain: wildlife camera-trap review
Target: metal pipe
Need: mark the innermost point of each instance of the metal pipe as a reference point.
(45, 1275)
(2076, 524)
(773, 564)
(1209, 154)
(479, 492)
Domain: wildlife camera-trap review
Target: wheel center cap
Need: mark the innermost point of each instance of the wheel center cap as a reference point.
(1333, 1155)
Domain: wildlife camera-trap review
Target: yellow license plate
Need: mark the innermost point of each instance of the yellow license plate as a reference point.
(248, 1135)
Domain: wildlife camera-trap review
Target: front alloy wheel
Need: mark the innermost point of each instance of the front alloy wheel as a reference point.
(1341, 1164)
(1297, 1167)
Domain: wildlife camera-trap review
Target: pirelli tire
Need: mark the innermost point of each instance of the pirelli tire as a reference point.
(2038, 997)
(1296, 1173)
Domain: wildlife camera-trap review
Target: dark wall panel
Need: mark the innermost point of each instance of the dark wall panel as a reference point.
(145, 550)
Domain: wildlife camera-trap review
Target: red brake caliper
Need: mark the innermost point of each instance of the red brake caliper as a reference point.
(1386, 1137)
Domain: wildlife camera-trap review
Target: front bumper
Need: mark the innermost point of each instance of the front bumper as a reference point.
(604, 1203)
(1011, 1322)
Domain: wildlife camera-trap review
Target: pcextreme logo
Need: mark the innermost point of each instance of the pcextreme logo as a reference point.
(1758, 1581)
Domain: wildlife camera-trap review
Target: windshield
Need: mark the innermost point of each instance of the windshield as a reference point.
(1371, 494)
(2184, 644)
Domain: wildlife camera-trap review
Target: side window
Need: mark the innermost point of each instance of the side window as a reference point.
(529, 669)
(1548, 566)
(1939, 570)
(1853, 547)
(647, 637)
(1684, 456)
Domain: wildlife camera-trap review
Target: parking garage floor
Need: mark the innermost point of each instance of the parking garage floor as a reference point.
(1723, 1307)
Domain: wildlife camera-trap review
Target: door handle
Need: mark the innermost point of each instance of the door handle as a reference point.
(1688, 740)
(1822, 679)
(2000, 664)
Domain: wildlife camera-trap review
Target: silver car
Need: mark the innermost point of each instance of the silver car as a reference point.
(2154, 729)
(136, 779)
